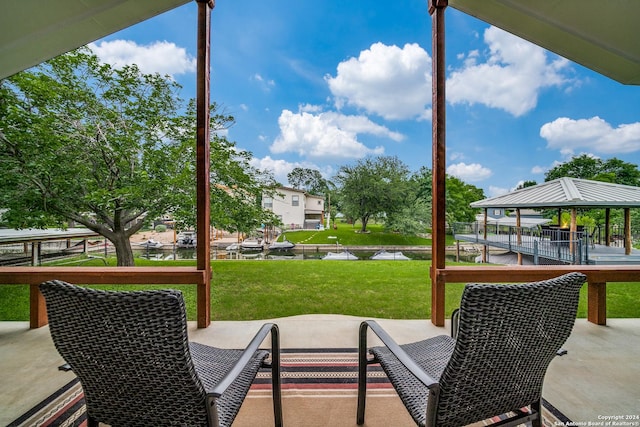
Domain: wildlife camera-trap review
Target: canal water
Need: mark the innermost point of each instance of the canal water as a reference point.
(221, 254)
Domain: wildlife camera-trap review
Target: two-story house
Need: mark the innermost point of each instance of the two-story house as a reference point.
(296, 209)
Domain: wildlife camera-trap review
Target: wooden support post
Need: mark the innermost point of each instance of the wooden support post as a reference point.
(519, 234)
(627, 231)
(37, 307)
(202, 161)
(485, 248)
(607, 227)
(437, 9)
(597, 303)
(573, 230)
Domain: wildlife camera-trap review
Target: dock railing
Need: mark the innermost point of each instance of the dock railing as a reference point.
(543, 244)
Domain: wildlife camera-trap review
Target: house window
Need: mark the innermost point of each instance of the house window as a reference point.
(497, 212)
(267, 202)
(319, 202)
(295, 200)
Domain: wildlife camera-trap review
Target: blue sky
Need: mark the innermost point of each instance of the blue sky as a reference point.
(323, 84)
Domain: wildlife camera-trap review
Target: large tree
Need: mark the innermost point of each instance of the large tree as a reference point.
(107, 148)
(612, 170)
(372, 187)
(414, 216)
(459, 197)
(584, 166)
(309, 180)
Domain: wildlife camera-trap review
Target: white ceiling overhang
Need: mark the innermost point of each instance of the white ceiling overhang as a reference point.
(33, 31)
(600, 35)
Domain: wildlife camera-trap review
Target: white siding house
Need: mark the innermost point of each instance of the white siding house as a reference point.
(296, 208)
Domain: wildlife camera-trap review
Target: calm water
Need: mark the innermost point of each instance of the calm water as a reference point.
(182, 254)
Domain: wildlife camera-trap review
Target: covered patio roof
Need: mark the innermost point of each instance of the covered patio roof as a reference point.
(569, 193)
(35, 31)
(598, 35)
(593, 33)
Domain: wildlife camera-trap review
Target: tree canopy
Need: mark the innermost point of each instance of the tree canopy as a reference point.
(309, 180)
(108, 148)
(587, 167)
(373, 186)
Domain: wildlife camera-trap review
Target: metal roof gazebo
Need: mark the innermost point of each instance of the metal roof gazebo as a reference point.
(571, 193)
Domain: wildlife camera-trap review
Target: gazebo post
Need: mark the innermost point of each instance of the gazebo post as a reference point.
(573, 229)
(519, 234)
(485, 248)
(627, 231)
(607, 232)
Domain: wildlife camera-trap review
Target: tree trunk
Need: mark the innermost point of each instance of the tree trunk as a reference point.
(364, 221)
(124, 253)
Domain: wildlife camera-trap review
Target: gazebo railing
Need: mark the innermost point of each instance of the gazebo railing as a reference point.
(558, 245)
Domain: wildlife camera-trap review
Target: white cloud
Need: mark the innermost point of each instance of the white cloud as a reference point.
(594, 134)
(385, 80)
(265, 84)
(160, 57)
(281, 168)
(309, 108)
(497, 191)
(539, 170)
(510, 79)
(469, 173)
(328, 135)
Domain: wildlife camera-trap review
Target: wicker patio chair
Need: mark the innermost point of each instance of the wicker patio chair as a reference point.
(506, 337)
(132, 356)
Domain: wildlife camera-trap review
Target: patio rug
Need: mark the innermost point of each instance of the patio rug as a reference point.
(319, 388)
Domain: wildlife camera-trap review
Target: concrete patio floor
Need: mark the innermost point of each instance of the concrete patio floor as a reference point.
(599, 377)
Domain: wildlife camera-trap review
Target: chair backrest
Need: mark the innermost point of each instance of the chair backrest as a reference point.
(130, 352)
(507, 336)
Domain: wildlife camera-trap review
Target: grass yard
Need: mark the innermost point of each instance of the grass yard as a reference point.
(349, 235)
(245, 290)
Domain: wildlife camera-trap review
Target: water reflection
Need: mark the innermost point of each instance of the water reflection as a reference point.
(221, 254)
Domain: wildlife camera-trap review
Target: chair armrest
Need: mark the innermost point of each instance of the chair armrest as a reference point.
(246, 356)
(402, 356)
(455, 323)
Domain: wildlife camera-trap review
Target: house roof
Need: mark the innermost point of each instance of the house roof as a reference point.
(34, 31)
(566, 192)
(599, 35)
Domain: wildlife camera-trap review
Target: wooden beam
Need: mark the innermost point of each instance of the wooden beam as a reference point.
(203, 252)
(597, 303)
(437, 9)
(99, 275)
(597, 277)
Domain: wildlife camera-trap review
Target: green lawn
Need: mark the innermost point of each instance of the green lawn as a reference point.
(244, 290)
(350, 235)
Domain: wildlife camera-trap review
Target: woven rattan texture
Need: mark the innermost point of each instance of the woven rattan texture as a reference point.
(131, 353)
(507, 337)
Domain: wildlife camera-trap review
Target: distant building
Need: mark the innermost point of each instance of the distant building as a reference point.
(296, 209)
(507, 217)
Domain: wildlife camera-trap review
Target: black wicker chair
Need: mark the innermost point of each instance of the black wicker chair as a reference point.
(132, 356)
(506, 337)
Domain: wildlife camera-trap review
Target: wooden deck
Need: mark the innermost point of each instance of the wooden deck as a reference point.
(542, 250)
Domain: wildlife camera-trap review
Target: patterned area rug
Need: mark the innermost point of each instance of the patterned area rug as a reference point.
(327, 375)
